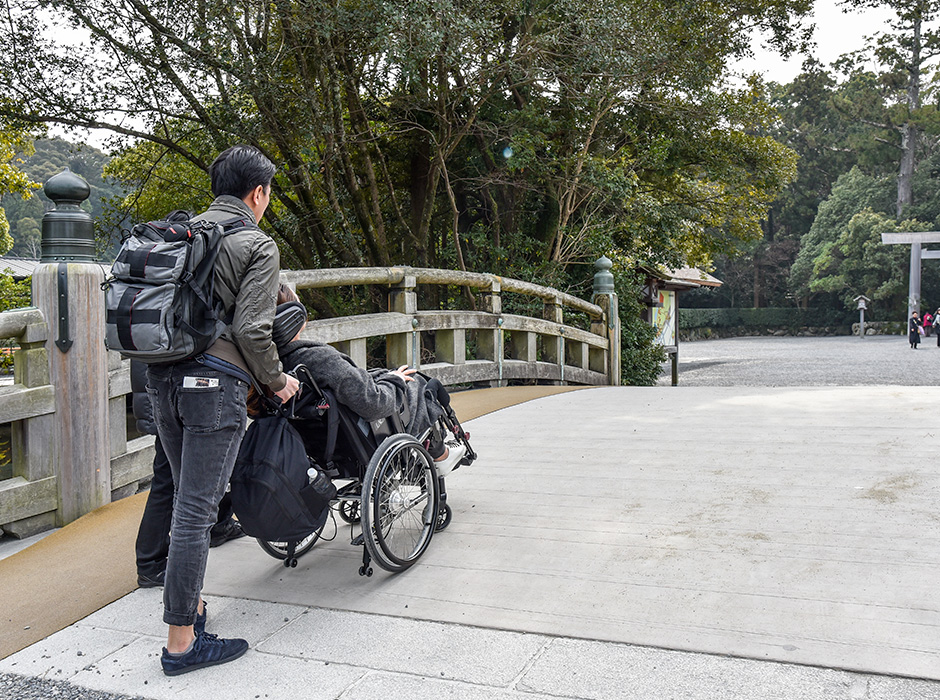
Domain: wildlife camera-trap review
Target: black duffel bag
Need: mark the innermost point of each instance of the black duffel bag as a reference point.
(271, 493)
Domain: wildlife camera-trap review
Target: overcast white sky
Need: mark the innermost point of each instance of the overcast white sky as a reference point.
(836, 33)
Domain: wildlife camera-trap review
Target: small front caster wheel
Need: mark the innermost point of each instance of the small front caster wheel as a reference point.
(444, 516)
(365, 570)
(291, 563)
(349, 511)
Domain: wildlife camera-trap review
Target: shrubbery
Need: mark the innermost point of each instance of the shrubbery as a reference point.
(761, 319)
(13, 295)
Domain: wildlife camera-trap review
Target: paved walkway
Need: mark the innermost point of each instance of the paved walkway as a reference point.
(836, 361)
(697, 542)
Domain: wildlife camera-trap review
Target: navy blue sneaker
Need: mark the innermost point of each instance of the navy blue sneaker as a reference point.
(207, 650)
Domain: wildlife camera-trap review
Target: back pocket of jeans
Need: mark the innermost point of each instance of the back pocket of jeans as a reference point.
(200, 409)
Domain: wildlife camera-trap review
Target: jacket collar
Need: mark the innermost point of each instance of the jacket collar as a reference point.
(230, 205)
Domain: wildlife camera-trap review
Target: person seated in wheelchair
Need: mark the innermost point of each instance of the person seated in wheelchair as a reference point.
(372, 394)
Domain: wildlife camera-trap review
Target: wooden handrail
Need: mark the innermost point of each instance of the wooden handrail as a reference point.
(338, 277)
(507, 346)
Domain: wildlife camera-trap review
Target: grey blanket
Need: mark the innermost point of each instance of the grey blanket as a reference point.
(372, 394)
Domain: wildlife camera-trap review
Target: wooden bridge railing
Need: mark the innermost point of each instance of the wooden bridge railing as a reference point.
(32, 499)
(29, 407)
(506, 346)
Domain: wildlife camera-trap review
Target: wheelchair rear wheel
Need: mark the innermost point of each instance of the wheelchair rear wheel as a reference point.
(400, 502)
(278, 550)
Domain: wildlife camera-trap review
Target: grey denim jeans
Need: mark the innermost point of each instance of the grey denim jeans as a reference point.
(201, 418)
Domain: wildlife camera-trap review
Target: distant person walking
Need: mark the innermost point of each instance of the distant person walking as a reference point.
(936, 325)
(928, 323)
(914, 330)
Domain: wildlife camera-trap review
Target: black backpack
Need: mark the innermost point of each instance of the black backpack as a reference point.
(159, 296)
(271, 493)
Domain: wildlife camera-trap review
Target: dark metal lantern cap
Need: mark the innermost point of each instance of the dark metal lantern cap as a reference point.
(66, 188)
(68, 232)
(603, 278)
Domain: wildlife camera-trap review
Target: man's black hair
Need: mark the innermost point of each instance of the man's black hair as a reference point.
(239, 170)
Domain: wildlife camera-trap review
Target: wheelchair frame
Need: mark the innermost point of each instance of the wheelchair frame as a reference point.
(396, 496)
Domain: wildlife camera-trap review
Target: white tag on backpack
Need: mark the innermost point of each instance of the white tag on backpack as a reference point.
(200, 382)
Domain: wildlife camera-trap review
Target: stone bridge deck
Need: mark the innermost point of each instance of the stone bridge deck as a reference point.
(602, 539)
(794, 525)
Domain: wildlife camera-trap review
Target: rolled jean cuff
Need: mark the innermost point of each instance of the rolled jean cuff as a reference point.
(178, 620)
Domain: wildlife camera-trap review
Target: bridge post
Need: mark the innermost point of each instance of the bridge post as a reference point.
(605, 297)
(490, 300)
(401, 348)
(553, 349)
(490, 341)
(66, 287)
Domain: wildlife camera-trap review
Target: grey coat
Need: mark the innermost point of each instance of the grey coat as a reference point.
(372, 394)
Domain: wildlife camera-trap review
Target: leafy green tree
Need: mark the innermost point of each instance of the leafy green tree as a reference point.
(41, 160)
(13, 294)
(28, 238)
(13, 181)
(857, 262)
(906, 52)
(389, 119)
(852, 193)
(821, 135)
(519, 136)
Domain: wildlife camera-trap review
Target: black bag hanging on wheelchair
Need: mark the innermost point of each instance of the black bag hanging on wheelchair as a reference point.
(271, 493)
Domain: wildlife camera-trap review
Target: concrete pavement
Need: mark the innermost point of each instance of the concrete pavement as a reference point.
(313, 653)
(612, 543)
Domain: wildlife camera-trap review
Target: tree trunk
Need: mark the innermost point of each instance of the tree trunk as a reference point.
(909, 131)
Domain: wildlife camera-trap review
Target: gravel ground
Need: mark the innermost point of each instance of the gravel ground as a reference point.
(788, 361)
(26, 688)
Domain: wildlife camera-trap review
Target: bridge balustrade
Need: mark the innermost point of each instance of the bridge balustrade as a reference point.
(504, 346)
(28, 405)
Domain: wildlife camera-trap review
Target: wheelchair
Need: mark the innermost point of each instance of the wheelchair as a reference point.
(388, 488)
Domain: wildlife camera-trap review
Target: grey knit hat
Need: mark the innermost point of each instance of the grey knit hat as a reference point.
(289, 318)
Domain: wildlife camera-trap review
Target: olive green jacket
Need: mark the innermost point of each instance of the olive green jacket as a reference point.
(246, 280)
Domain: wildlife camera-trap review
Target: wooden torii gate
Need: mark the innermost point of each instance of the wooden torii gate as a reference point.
(915, 239)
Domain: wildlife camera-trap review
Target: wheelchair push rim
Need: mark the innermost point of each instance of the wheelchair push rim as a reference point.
(400, 502)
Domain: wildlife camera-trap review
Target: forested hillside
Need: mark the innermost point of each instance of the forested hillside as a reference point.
(46, 158)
